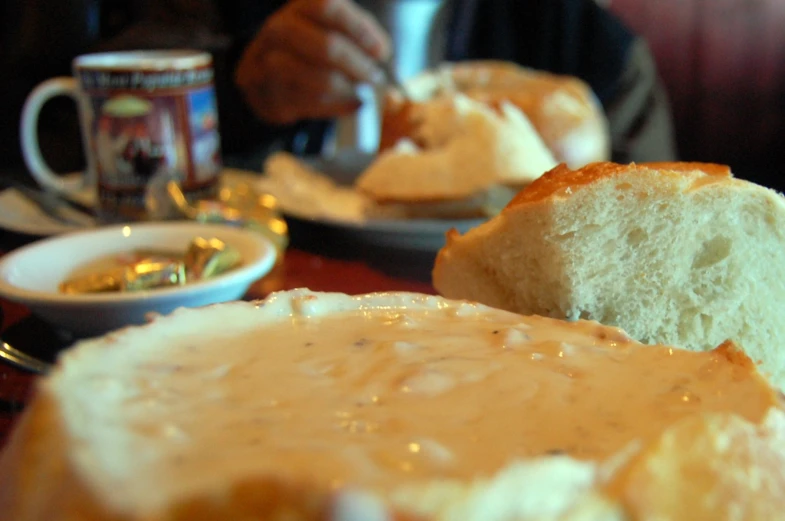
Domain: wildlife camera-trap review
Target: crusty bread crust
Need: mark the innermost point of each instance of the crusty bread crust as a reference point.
(563, 178)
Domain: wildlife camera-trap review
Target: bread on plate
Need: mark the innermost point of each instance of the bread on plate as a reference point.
(316, 406)
(466, 132)
(464, 151)
(676, 253)
(562, 109)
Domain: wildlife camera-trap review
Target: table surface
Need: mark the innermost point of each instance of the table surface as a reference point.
(316, 260)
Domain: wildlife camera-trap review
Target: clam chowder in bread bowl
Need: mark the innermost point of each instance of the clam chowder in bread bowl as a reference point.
(317, 406)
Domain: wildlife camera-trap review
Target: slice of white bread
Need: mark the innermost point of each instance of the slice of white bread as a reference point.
(392, 406)
(676, 253)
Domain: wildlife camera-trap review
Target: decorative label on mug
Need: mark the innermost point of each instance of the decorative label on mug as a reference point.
(147, 127)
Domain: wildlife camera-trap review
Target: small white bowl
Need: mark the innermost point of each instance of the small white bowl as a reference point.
(31, 275)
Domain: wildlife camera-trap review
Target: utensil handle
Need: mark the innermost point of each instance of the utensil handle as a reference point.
(18, 358)
(31, 149)
(22, 360)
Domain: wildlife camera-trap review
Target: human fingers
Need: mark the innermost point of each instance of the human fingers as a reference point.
(319, 46)
(349, 19)
(283, 89)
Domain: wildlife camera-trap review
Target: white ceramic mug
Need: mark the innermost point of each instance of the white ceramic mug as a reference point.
(145, 116)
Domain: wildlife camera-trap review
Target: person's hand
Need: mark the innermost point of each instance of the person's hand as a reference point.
(307, 58)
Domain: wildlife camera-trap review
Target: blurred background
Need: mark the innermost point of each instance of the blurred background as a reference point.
(722, 62)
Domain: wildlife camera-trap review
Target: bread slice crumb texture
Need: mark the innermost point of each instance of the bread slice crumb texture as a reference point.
(680, 254)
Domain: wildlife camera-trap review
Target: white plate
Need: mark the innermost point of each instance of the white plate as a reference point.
(417, 234)
(31, 275)
(17, 214)
(402, 234)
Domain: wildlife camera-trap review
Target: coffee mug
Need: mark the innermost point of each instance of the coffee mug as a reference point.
(147, 117)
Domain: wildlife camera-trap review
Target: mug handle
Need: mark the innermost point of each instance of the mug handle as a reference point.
(31, 150)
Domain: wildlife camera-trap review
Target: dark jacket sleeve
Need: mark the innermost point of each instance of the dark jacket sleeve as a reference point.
(579, 38)
(639, 111)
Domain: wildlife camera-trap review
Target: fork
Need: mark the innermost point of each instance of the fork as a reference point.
(20, 359)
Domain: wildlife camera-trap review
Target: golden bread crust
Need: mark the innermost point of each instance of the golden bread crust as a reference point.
(563, 179)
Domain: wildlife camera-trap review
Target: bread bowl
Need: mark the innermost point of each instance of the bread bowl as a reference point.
(562, 109)
(675, 253)
(465, 152)
(464, 132)
(392, 406)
